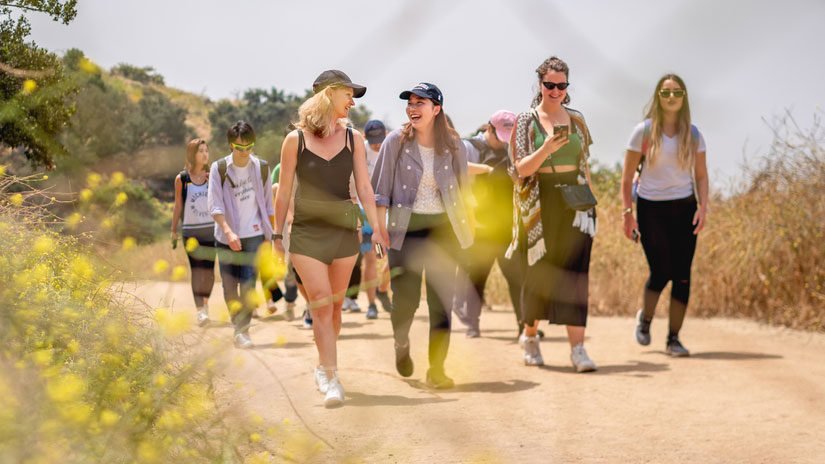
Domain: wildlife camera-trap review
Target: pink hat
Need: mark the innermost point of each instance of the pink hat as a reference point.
(503, 122)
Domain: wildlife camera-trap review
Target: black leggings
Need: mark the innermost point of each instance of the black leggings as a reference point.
(669, 244)
(202, 264)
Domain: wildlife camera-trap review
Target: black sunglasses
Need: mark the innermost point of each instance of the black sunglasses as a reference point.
(553, 85)
(667, 93)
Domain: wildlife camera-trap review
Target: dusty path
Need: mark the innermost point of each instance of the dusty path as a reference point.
(749, 393)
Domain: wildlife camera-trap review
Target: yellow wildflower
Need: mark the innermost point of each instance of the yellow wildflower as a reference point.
(2, 170)
(191, 244)
(93, 180)
(160, 266)
(178, 273)
(43, 244)
(117, 179)
(66, 388)
(29, 86)
(85, 194)
(120, 198)
(128, 243)
(255, 438)
(109, 417)
(172, 324)
(73, 220)
(280, 340)
(107, 223)
(16, 199)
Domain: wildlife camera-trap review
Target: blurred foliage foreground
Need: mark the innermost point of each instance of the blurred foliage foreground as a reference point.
(85, 375)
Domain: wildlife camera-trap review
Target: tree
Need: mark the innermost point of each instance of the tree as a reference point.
(35, 96)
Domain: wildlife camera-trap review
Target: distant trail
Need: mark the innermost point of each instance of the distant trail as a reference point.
(748, 393)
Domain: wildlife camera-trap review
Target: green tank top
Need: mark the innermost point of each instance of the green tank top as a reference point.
(567, 155)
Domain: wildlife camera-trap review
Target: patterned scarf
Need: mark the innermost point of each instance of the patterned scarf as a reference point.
(526, 204)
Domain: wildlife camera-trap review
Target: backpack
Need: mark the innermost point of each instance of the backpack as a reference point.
(694, 141)
(222, 171)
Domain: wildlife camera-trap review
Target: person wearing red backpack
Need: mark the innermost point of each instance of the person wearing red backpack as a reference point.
(671, 204)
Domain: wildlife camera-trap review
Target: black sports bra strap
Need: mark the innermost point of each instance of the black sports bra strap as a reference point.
(350, 140)
(300, 141)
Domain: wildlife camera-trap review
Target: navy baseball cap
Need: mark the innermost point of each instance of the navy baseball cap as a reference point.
(424, 90)
(375, 131)
(336, 77)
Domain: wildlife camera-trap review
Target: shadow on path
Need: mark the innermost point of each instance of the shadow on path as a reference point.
(493, 387)
(636, 368)
(363, 336)
(732, 356)
(364, 399)
(288, 345)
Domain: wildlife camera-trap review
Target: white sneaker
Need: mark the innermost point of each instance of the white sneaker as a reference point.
(321, 380)
(202, 316)
(243, 341)
(350, 305)
(532, 351)
(289, 314)
(335, 393)
(580, 360)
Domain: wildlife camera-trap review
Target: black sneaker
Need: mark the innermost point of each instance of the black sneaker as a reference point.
(437, 379)
(675, 348)
(384, 298)
(403, 362)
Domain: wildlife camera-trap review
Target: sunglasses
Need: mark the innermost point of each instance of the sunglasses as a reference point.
(553, 85)
(242, 147)
(667, 93)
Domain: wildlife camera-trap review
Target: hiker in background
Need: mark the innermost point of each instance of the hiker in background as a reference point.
(197, 228)
(290, 293)
(421, 176)
(554, 240)
(493, 191)
(374, 132)
(669, 154)
(240, 200)
(323, 153)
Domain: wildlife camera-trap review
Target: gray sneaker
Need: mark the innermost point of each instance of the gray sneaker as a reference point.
(372, 311)
(642, 329)
(350, 305)
(580, 360)
(202, 317)
(242, 341)
(674, 347)
(289, 314)
(532, 350)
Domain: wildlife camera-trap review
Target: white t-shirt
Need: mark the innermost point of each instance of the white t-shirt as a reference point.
(664, 180)
(428, 197)
(249, 220)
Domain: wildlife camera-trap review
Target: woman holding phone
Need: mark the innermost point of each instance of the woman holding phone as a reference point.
(421, 176)
(323, 153)
(672, 155)
(550, 148)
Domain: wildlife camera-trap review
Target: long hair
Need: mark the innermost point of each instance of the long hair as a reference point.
(553, 63)
(686, 154)
(191, 153)
(314, 114)
(446, 138)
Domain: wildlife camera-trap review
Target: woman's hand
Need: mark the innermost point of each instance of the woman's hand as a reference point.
(553, 144)
(699, 219)
(234, 241)
(381, 237)
(629, 226)
(279, 247)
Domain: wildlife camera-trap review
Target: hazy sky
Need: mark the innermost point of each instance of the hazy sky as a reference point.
(742, 60)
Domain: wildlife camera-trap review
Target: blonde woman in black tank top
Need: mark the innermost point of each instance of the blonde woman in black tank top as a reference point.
(324, 152)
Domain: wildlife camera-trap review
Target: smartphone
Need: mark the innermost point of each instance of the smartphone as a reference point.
(635, 235)
(379, 251)
(561, 129)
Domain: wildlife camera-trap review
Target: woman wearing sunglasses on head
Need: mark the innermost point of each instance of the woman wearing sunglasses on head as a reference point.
(421, 176)
(323, 153)
(669, 153)
(554, 238)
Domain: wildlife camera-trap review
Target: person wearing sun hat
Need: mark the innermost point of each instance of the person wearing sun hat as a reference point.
(421, 177)
(323, 152)
(493, 190)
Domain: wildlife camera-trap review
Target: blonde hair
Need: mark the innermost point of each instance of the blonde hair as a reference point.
(686, 154)
(315, 113)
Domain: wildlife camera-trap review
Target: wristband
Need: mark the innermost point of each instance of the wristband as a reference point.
(277, 237)
(627, 211)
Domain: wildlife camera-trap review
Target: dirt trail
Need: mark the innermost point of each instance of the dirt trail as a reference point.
(748, 393)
